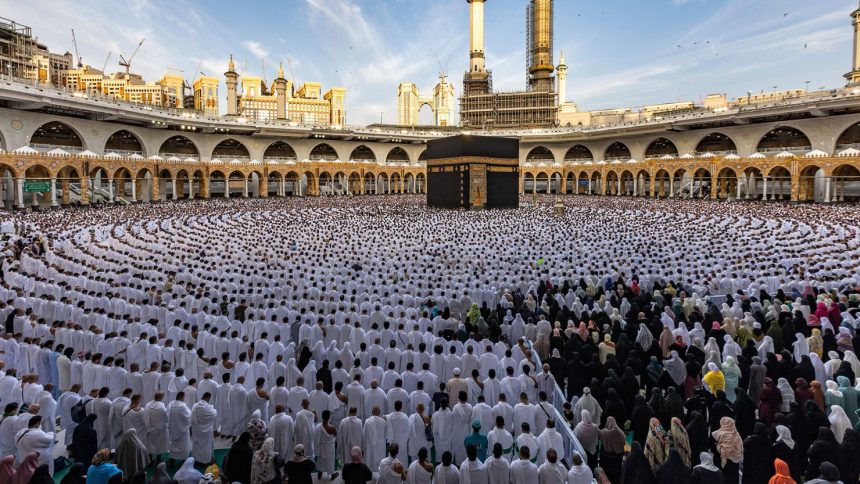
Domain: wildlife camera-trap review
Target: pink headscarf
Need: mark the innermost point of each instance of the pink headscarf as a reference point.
(834, 315)
(27, 468)
(7, 469)
(820, 310)
(357, 456)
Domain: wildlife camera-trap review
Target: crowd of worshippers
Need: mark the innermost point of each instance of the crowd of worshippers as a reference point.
(445, 389)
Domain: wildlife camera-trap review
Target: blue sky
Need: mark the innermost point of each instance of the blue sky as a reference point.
(620, 52)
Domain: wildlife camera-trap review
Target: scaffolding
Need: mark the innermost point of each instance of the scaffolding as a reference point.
(534, 107)
(17, 48)
(513, 109)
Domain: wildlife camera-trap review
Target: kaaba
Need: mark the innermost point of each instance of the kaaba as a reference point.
(473, 172)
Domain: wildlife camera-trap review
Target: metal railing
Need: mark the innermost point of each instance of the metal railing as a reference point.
(791, 149)
(124, 153)
(45, 147)
(557, 399)
(181, 156)
(716, 153)
(279, 159)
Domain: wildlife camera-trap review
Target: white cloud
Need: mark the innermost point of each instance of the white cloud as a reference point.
(256, 48)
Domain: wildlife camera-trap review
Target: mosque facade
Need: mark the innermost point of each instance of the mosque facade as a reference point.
(57, 147)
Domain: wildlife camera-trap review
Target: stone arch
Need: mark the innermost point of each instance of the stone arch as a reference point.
(275, 184)
(255, 184)
(323, 152)
(813, 185)
(612, 183)
(846, 183)
(124, 142)
(583, 183)
(166, 186)
(54, 134)
(716, 143)
(179, 146)
(68, 183)
(122, 183)
(37, 173)
(237, 184)
(751, 183)
(578, 153)
(540, 154)
(422, 157)
(420, 183)
(570, 182)
(369, 183)
(146, 188)
(280, 151)
(308, 183)
(627, 182)
(217, 184)
(292, 183)
(382, 184)
(642, 183)
(661, 147)
(396, 183)
(99, 185)
(197, 186)
(326, 183)
(542, 183)
(727, 184)
(528, 182)
(596, 182)
(617, 151)
(362, 154)
(849, 138)
(231, 149)
(662, 183)
(779, 183)
(182, 180)
(555, 183)
(784, 138)
(354, 183)
(701, 184)
(397, 155)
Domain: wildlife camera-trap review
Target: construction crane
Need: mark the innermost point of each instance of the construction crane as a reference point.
(292, 74)
(106, 61)
(196, 73)
(263, 60)
(77, 53)
(127, 63)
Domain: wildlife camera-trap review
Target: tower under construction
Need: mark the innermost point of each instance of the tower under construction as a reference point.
(536, 106)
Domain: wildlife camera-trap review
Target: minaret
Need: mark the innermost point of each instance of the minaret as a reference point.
(562, 80)
(281, 93)
(540, 23)
(232, 83)
(853, 77)
(477, 69)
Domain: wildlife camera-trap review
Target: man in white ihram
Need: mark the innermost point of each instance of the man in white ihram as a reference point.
(179, 428)
(203, 417)
(34, 439)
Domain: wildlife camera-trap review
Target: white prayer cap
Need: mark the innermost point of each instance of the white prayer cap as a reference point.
(757, 325)
(456, 372)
